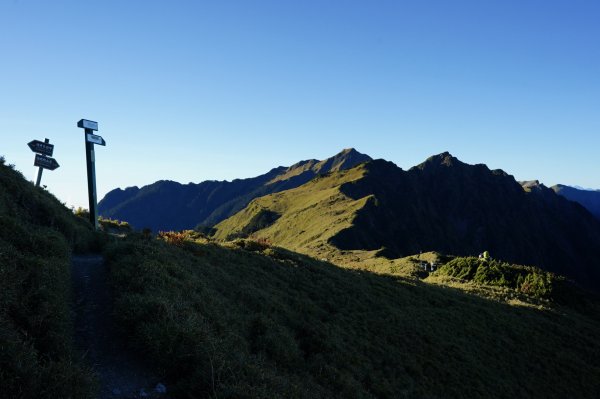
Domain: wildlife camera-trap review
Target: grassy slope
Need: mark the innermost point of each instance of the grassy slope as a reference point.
(311, 214)
(36, 236)
(226, 322)
(339, 162)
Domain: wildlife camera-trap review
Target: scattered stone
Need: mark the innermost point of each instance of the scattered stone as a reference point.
(160, 388)
(116, 392)
(143, 393)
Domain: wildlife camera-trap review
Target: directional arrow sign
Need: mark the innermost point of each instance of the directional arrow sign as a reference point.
(94, 138)
(41, 147)
(45, 162)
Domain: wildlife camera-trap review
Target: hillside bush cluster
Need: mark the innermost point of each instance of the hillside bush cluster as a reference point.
(253, 244)
(114, 226)
(528, 280)
(179, 238)
(106, 224)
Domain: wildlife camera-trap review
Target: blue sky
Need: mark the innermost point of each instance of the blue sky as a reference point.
(196, 90)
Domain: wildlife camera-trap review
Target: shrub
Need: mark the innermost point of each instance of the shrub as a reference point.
(172, 237)
(114, 226)
(526, 279)
(258, 244)
(82, 213)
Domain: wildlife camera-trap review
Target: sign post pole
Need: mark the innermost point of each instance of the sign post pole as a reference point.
(39, 176)
(91, 139)
(91, 175)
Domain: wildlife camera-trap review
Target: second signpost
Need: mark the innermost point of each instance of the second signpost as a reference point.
(90, 139)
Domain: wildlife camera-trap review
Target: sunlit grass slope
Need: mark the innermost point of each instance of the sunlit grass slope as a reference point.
(302, 219)
(254, 321)
(37, 234)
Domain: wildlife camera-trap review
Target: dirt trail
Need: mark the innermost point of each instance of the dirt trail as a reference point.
(120, 373)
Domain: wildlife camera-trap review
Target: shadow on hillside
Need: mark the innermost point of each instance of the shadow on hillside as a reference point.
(567, 293)
(282, 324)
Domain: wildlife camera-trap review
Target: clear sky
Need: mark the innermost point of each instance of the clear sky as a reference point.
(197, 90)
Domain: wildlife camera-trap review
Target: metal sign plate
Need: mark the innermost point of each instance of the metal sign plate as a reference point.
(84, 123)
(41, 147)
(45, 162)
(94, 138)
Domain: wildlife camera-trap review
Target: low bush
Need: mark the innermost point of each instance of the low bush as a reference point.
(525, 279)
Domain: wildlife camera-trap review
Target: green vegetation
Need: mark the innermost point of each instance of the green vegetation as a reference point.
(107, 225)
(515, 285)
(114, 226)
(303, 219)
(528, 280)
(37, 234)
(250, 320)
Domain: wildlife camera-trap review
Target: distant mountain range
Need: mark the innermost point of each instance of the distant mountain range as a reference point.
(168, 205)
(590, 199)
(442, 204)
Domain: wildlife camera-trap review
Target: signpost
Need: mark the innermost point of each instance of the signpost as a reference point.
(91, 139)
(41, 147)
(45, 162)
(43, 152)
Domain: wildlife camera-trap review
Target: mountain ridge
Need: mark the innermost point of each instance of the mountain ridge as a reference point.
(168, 205)
(440, 205)
(589, 199)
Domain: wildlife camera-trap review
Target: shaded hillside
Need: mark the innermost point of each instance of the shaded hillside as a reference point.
(587, 198)
(442, 205)
(167, 205)
(37, 234)
(254, 321)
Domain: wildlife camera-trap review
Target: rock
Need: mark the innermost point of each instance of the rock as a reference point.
(143, 393)
(116, 392)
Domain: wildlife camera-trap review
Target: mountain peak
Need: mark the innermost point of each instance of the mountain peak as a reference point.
(351, 153)
(345, 159)
(445, 159)
(528, 184)
(348, 151)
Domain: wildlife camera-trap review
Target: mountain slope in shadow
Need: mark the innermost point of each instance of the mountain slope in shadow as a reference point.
(589, 199)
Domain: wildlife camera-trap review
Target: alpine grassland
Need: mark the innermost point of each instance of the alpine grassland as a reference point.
(303, 219)
(247, 319)
(37, 235)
